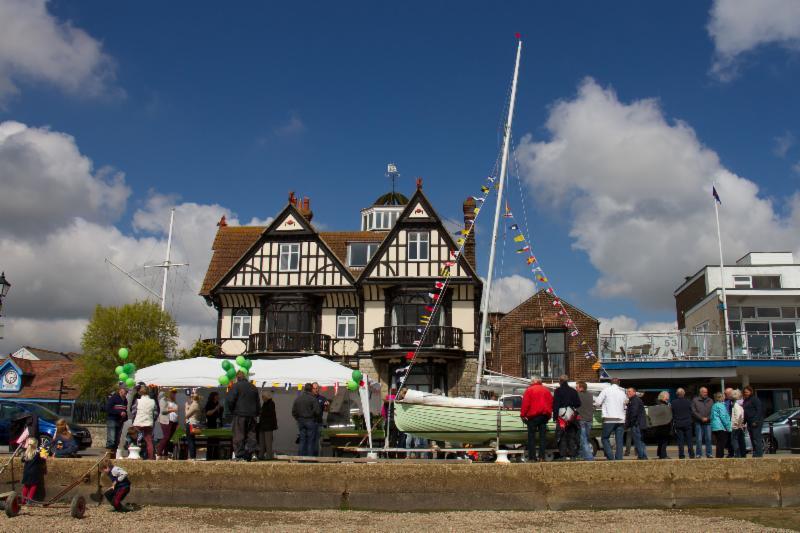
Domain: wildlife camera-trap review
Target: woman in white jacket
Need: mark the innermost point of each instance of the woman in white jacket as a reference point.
(738, 427)
(145, 416)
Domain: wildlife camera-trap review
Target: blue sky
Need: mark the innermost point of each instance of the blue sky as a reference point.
(235, 104)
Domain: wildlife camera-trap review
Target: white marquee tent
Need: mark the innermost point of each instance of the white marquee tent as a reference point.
(205, 372)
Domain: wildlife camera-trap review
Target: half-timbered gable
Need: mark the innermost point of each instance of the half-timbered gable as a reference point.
(418, 246)
(289, 254)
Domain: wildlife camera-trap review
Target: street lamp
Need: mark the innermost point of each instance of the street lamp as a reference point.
(4, 286)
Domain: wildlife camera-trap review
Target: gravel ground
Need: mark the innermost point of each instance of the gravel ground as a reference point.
(202, 519)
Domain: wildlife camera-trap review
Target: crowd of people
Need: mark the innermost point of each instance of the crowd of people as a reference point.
(253, 420)
(727, 417)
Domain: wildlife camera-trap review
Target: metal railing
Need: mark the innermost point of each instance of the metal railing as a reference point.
(404, 337)
(666, 346)
(289, 341)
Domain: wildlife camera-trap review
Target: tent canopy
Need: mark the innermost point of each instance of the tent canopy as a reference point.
(205, 372)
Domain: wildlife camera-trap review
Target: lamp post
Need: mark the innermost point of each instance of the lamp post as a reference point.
(4, 286)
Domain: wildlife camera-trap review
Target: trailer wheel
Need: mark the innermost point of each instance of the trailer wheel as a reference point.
(78, 507)
(12, 505)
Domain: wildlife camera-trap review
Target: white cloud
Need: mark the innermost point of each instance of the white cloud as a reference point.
(737, 26)
(46, 181)
(783, 143)
(36, 46)
(638, 191)
(57, 271)
(624, 323)
(509, 292)
(293, 126)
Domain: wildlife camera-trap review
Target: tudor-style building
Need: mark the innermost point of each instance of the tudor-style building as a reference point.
(354, 296)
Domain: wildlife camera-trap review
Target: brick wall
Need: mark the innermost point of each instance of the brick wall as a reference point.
(536, 313)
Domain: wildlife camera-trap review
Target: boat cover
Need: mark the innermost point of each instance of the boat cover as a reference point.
(426, 398)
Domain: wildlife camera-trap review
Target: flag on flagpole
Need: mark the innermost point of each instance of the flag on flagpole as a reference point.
(524, 249)
(513, 227)
(715, 195)
(519, 238)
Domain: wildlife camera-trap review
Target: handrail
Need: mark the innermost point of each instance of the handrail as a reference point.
(404, 337)
(289, 341)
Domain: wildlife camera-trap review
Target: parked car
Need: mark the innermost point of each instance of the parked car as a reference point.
(780, 428)
(10, 410)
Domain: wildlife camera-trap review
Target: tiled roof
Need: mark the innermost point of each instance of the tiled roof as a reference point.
(232, 242)
(337, 242)
(229, 245)
(50, 355)
(41, 379)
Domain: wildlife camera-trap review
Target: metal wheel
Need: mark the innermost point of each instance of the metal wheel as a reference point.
(78, 507)
(12, 505)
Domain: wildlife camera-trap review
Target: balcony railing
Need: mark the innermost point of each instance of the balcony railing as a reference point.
(404, 337)
(289, 341)
(666, 346)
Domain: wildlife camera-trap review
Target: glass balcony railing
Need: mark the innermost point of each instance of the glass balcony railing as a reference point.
(668, 346)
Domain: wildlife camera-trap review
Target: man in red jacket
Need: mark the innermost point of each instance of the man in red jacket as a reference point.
(537, 407)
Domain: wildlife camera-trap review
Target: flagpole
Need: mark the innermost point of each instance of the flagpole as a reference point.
(503, 167)
(728, 345)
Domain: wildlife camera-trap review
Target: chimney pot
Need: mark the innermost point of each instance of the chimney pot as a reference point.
(222, 222)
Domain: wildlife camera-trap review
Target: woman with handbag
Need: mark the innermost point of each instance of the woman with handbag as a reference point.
(192, 424)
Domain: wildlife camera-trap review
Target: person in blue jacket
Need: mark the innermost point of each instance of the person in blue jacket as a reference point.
(64, 444)
(720, 424)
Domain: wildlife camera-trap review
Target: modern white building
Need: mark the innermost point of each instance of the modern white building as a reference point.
(758, 346)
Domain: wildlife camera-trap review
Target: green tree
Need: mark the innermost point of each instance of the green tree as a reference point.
(200, 348)
(149, 333)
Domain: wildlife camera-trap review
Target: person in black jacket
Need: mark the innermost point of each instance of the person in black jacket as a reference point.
(116, 413)
(682, 422)
(244, 406)
(754, 419)
(636, 421)
(306, 409)
(267, 423)
(565, 410)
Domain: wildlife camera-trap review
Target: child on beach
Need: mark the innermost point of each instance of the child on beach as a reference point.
(120, 486)
(33, 471)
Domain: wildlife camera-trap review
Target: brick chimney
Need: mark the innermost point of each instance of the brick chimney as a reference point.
(469, 218)
(303, 206)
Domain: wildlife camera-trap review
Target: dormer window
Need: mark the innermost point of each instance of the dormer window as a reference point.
(359, 253)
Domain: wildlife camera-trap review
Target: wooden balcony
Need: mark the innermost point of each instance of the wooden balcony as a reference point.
(289, 342)
(438, 337)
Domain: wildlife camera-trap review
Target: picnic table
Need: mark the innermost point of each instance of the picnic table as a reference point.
(219, 439)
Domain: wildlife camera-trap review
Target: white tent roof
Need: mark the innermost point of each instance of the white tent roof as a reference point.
(205, 372)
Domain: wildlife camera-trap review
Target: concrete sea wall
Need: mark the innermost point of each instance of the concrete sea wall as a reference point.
(773, 482)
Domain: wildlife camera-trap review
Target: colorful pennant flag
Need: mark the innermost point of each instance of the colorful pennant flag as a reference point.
(524, 249)
(519, 238)
(484, 189)
(439, 285)
(513, 227)
(531, 260)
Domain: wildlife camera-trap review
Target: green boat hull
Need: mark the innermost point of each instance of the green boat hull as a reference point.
(468, 425)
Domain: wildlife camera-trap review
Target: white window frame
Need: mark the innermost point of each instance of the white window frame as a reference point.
(372, 247)
(289, 251)
(348, 319)
(416, 242)
(742, 282)
(239, 319)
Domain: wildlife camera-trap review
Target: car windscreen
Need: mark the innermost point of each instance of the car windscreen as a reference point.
(41, 412)
(780, 416)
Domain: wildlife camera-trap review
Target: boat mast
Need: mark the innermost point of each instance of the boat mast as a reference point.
(167, 264)
(503, 169)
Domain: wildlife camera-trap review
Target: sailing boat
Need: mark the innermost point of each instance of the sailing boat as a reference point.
(475, 420)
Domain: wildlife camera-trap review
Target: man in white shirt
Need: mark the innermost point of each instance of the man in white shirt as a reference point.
(612, 402)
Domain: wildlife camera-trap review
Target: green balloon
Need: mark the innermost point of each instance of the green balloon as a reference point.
(357, 375)
(247, 364)
(240, 360)
(231, 373)
(123, 353)
(226, 364)
(223, 380)
(128, 368)
(130, 382)
(133, 367)
(352, 385)
(123, 376)
(119, 370)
